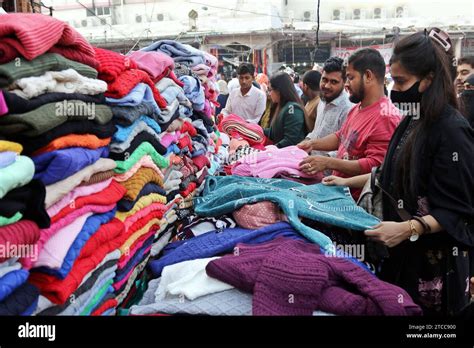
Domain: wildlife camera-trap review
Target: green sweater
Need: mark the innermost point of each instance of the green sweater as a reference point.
(19, 68)
(289, 127)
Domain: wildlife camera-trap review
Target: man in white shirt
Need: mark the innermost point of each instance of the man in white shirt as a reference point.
(234, 83)
(334, 105)
(248, 101)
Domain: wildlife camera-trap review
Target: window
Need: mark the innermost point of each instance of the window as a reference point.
(106, 10)
(100, 11)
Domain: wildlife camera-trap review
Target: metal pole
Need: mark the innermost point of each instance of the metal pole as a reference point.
(293, 47)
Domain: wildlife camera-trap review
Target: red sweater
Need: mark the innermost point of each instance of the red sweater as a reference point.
(108, 238)
(112, 64)
(127, 80)
(112, 194)
(31, 35)
(111, 303)
(20, 233)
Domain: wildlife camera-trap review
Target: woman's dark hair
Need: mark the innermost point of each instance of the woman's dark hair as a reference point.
(282, 83)
(421, 56)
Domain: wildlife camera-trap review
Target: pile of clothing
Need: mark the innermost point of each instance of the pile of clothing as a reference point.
(55, 109)
(22, 215)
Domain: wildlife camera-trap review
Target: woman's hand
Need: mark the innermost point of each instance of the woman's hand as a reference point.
(314, 164)
(306, 145)
(389, 233)
(333, 180)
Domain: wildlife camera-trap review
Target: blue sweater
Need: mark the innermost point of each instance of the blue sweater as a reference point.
(54, 166)
(215, 243)
(11, 281)
(327, 204)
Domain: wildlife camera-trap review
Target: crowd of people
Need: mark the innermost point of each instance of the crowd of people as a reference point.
(410, 145)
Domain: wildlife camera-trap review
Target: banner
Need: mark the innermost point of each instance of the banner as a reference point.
(344, 52)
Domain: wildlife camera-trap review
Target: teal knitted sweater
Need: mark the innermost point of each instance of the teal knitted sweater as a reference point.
(327, 204)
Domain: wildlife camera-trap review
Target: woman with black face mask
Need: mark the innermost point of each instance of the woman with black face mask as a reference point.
(429, 173)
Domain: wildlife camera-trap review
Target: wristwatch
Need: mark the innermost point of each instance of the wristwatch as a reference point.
(414, 234)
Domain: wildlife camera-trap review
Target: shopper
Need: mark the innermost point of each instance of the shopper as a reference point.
(334, 105)
(311, 82)
(363, 139)
(288, 118)
(248, 101)
(234, 82)
(465, 67)
(223, 95)
(429, 171)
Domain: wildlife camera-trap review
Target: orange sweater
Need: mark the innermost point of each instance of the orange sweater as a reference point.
(89, 141)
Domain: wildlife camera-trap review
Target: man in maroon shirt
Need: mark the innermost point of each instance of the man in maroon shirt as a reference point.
(363, 139)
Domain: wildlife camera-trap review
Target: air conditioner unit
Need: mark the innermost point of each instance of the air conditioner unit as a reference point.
(338, 15)
(307, 16)
(358, 13)
(84, 23)
(161, 17)
(379, 13)
(401, 12)
(138, 18)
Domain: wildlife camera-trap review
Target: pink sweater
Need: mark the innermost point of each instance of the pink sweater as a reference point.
(79, 191)
(145, 161)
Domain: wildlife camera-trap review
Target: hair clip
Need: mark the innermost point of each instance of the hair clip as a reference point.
(442, 38)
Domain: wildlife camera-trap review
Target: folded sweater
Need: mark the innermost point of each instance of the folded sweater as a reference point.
(16, 175)
(19, 105)
(58, 190)
(142, 177)
(145, 161)
(21, 67)
(144, 149)
(19, 234)
(89, 141)
(28, 201)
(31, 34)
(109, 196)
(66, 81)
(10, 146)
(126, 205)
(125, 134)
(57, 165)
(11, 281)
(51, 115)
(79, 191)
(112, 64)
(21, 301)
(7, 158)
(127, 80)
(105, 241)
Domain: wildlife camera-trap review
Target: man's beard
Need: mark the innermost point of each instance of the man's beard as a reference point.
(328, 100)
(357, 96)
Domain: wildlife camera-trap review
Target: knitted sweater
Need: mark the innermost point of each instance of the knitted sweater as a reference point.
(71, 127)
(236, 127)
(20, 233)
(278, 269)
(20, 68)
(126, 115)
(31, 34)
(28, 201)
(21, 301)
(51, 115)
(327, 204)
(112, 64)
(142, 150)
(89, 141)
(10, 146)
(98, 177)
(123, 152)
(57, 165)
(16, 175)
(106, 240)
(58, 190)
(126, 134)
(157, 64)
(11, 281)
(126, 81)
(3, 105)
(19, 105)
(135, 184)
(109, 196)
(66, 81)
(145, 161)
(126, 205)
(218, 243)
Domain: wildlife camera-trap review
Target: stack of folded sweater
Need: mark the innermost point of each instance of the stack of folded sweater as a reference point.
(55, 108)
(22, 214)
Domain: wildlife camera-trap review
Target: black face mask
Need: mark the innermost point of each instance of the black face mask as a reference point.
(411, 95)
